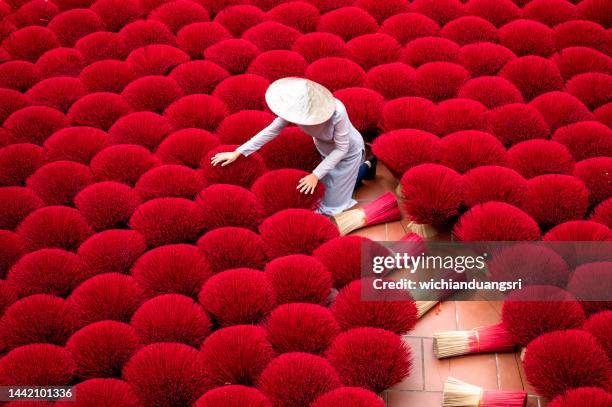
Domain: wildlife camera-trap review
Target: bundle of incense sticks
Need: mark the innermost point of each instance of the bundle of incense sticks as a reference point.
(461, 394)
(381, 210)
(494, 338)
(427, 300)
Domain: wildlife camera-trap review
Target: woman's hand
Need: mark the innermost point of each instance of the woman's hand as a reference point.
(308, 184)
(224, 158)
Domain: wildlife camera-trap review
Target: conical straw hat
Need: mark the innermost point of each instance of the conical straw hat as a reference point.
(300, 101)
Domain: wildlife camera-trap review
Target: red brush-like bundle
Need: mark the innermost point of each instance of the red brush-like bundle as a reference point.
(484, 58)
(527, 37)
(385, 312)
(591, 88)
(171, 318)
(100, 109)
(169, 181)
(292, 148)
(409, 113)
(154, 93)
(295, 231)
(37, 365)
(600, 326)
(298, 327)
(199, 111)
(102, 348)
(179, 269)
(299, 278)
(146, 129)
(369, 357)
(107, 76)
(34, 124)
(102, 45)
(493, 183)
(494, 338)
(58, 182)
(57, 93)
(233, 396)
(468, 149)
(469, 29)
(549, 12)
(29, 13)
(317, 45)
(112, 251)
(232, 247)
(496, 221)
(584, 140)
(12, 248)
(103, 392)
(538, 157)
(276, 191)
(405, 27)
(400, 150)
(459, 393)
(370, 50)
(545, 199)
(229, 205)
(438, 81)
(186, 147)
(603, 114)
(19, 75)
(336, 73)
(29, 43)
(573, 61)
(239, 127)
(8, 295)
(271, 35)
(603, 213)
(533, 75)
(117, 13)
(48, 271)
(178, 14)
(15, 204)
(78, 144)
(39, 318)
(198, 76)
(238, 296)
(441, 11)
(106, 296)
(235, 355)
(460, 114)
(516, 122)
(563, 360)
(581, 33)
(277, 64)
(560, 109)
(54, 226)
(142, 33)
(584, 396)
(432, 194)
(429, 49)
(589, 284)
(243, 92)
(171, 372)
(392, 81)
(11, 101)
(595, 173)
(354, 396)
(381, 210)
(532, 263)
(342, 257)
(594, 10)
(347, 23)
(364, 107)
(156, 59)
(574, 232)
(233, 55)
(18, 162)
(300, 15)
(297, 379)
(491, 91)
(382, 11)
(538, 309)
(107, 204)
(238, 19)
(71, 25)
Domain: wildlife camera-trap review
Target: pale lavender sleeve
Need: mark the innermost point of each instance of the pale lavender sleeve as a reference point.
(264, 136)
(341, 136)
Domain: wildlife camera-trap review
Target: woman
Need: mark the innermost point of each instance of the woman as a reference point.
(314, 109)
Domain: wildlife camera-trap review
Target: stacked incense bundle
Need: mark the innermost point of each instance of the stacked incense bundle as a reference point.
(381, 210)
(460, 394)
(486, 339)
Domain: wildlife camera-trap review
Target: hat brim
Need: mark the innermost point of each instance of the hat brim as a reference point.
(300, 101)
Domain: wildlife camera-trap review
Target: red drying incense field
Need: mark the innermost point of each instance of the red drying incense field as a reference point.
(133, 269)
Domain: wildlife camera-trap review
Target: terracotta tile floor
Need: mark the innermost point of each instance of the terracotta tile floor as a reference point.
(423, 388)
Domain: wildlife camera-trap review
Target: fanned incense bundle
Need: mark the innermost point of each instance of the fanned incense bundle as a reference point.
(460, 394)
(426, 300)
(381, 210)
(492, 338)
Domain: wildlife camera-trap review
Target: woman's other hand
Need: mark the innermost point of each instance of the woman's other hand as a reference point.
(308, 184)
(224, 158)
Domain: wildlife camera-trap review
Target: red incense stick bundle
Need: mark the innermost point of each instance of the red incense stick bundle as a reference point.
(381, 210)
(461, 394)
(486, 339)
